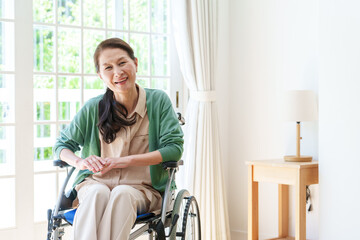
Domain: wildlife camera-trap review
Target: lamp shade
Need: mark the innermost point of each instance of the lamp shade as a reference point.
(300, 105)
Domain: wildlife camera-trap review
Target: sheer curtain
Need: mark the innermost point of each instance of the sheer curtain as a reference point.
(195, 33)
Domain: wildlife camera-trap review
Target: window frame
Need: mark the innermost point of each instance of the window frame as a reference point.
(24, 124)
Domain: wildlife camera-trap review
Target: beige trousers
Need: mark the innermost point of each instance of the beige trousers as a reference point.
(105, 214)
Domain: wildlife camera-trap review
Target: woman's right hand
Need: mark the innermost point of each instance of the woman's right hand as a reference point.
(92, 163)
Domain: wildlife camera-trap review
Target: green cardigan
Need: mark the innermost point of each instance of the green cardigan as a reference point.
(165, 134)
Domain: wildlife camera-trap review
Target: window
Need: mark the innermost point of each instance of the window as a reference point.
(63, 38)
(7, 114)
(65, 35)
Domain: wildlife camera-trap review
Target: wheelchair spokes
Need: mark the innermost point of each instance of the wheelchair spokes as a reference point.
(192, 219)
(188, 224)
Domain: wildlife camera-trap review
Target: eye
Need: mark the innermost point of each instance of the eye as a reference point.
(121, 63)
(108, 68)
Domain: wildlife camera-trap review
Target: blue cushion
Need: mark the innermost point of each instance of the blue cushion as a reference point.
(69, 216)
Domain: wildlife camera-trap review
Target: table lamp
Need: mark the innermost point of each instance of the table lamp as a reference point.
(300, 105)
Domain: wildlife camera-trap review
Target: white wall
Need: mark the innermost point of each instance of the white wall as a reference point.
(339, 128)
(272, 48)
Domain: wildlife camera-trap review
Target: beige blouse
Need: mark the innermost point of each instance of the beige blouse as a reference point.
(129, 141)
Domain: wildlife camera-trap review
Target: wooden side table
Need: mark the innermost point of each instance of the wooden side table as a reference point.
(284, 174)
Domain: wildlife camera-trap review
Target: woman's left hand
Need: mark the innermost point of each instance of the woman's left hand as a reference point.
(121, 162)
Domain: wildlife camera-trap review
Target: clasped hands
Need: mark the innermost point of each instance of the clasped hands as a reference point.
(102, 165)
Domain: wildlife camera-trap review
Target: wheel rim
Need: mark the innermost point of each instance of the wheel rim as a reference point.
(188, 224)
(191, 220)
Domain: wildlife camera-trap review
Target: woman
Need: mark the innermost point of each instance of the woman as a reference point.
(125, 134)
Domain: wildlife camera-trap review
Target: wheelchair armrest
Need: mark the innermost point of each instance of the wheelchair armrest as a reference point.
(60, 163)
(172, 164)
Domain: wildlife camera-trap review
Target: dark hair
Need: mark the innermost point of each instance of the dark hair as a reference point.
(112, 114)
(112, 43)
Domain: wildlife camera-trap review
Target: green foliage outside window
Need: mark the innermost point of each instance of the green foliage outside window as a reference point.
(2, 133)
(69, 47)
(69, 39)
(64, 110)
(159, 16)
(44, 153)
(69, 12)
(117, 14)
(43, 49)
(140, 44)
(144, 83)
(43, 11)
(1, 9)
(159, 56)
(91, 39)
(77, 106)
(94, 13)
(71, 50)
(93, 83)
(160, 83)
(2, 156)
(139, 22)
(43, 82)
(43, 131)
(1, 47)
(69, 83)
(43, 111)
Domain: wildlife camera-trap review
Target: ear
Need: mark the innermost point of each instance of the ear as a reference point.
(136, 64)
(100, 76)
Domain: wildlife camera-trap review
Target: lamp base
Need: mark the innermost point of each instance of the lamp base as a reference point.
(297, 158)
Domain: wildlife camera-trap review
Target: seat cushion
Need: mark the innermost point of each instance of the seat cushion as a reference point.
(68, 216)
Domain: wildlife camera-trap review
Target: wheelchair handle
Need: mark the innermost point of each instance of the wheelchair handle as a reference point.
(181, 119)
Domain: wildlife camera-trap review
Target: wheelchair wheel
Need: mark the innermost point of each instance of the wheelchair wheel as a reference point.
(188, 224)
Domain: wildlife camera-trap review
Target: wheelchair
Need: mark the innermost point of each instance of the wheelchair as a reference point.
(179, 217)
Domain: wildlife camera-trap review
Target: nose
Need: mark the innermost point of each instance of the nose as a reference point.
(117, 72)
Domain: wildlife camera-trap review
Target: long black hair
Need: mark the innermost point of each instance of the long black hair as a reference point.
(112, 114)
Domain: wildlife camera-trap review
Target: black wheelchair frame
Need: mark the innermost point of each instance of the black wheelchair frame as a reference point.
(179, 217)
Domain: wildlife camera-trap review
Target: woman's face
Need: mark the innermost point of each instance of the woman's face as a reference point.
(117, 70)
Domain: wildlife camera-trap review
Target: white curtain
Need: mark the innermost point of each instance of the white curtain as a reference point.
(195, 33)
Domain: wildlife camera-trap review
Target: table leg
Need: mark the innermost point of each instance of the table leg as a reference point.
(300, 211)
(283, 210)
(253, 206)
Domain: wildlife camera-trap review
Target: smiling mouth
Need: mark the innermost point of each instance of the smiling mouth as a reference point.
(122, 81)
